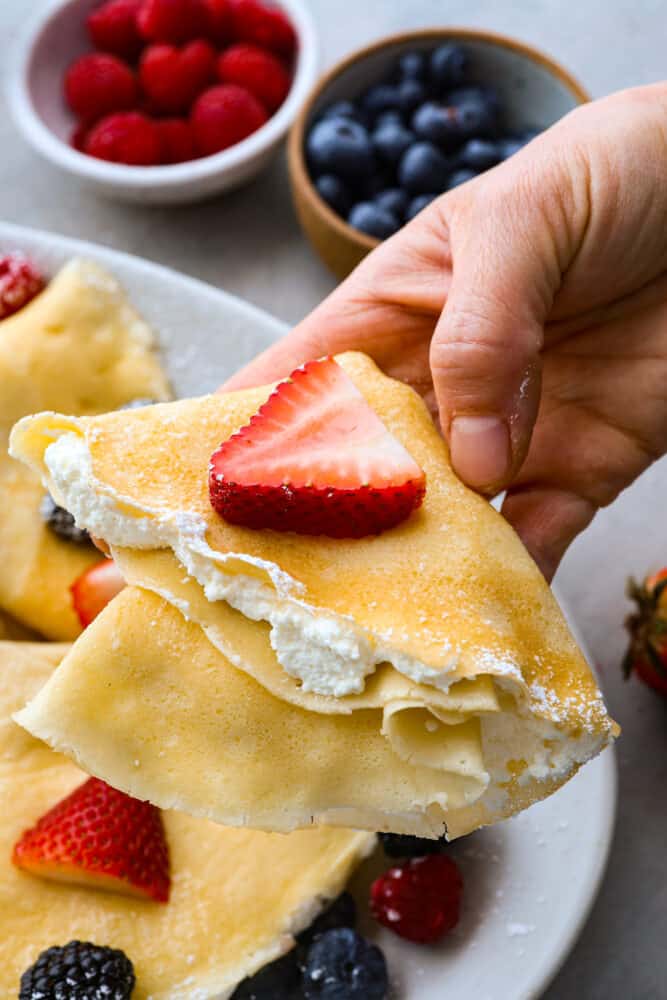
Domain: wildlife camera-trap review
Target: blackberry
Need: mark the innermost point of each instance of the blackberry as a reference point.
(341, 965)
(79, 971)
(61, 522)
(398, 845)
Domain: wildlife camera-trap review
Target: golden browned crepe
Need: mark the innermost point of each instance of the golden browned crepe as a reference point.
(438, 640)
(237, 895)
(78, 347)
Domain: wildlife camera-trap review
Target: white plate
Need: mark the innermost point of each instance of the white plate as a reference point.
(530, 882)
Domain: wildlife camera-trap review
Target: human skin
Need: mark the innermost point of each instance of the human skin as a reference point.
(529, 309)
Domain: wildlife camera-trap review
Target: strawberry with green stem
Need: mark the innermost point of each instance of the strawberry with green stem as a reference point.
(647, 626)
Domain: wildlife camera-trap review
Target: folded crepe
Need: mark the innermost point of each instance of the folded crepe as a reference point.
(237, 897)
(421, 677)
(81, 348)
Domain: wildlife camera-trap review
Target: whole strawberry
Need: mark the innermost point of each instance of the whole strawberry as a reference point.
(647, 653)
(420, 899)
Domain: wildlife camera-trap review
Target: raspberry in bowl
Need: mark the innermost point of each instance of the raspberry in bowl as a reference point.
(162, 101)
(400, 122)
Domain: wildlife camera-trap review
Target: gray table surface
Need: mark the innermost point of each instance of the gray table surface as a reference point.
(249, 243)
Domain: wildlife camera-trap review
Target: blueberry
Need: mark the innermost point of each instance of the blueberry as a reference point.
(335, 193)
(378, 181)
(342, 912)
(418, 204)
(61, 522)
(412, 66)
(341, 109)
(391, 117)
(448, 65)
(393, 200)
(438, 124)
(391, 141)
(423, 169)
(460, 177)
(410, 94)
(382, 97)
(340, 146)
(478, 110)
(280, 980)
(397, 845)
(479, 154)
(341, 965)
(372, 219)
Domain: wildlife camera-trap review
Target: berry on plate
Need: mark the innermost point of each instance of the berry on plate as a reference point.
(20, 282)
(77, 970)
(341, 965)
(317, 460)
(100, 838)
(258, 71)
(342, 912)
(647, 653)
(61, 522)
(262, 24)
(97, 84)
(176, 139)
(125, 137)
(419, 899)
(174, 21)
(279, 980)
(92, 591)
(172, 78)
(223, 116)
(113, 28)
(340, 146)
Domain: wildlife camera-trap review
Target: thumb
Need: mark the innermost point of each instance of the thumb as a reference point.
(485, 353)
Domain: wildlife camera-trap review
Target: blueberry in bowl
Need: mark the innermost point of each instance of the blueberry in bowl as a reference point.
(402, 121)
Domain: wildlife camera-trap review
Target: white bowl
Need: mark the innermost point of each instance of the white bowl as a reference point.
(35, 82)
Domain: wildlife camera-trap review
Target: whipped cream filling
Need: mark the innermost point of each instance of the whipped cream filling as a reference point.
(330, 654)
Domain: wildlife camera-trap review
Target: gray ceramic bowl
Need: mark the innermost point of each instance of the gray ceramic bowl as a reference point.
(535, 91)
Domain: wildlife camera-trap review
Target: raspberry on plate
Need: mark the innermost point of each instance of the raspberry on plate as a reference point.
(127, 137)
(258, 71)
(175, 21)
(20, 282)
(113, 28)
(263, 24)
(97, 84)
(178, 144)
(419, 899)
(172, 78)
(223, 116)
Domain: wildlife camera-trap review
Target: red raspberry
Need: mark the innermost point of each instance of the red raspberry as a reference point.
(126, 137)
(97, 84)
(178, 144)
(113, 28)
(258, 71)
(419, 899)
(220, 20)
(77, 140)
(264, 25)
(20, 281)
(224, 115)
(175, 21)
(172, 78)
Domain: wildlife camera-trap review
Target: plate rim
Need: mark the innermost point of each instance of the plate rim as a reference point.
(607, 790)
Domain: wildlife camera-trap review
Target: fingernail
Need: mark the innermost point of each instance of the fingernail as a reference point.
(480, 450)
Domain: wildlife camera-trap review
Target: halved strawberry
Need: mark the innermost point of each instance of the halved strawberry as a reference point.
(92, 591)
(102, 838)
(316, 459)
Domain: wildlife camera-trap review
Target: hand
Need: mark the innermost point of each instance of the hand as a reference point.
(529, 308)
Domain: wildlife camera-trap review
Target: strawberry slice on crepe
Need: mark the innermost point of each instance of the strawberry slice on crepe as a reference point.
(101, 838)
(316, 459)
(92, 591)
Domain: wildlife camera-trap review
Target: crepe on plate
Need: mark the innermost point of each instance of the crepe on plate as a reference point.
(237, 895)
(437, 647)
(79, 347)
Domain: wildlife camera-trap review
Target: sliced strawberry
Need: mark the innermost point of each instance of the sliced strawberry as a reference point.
(316, 459)
(92, 591)
(102, 838)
